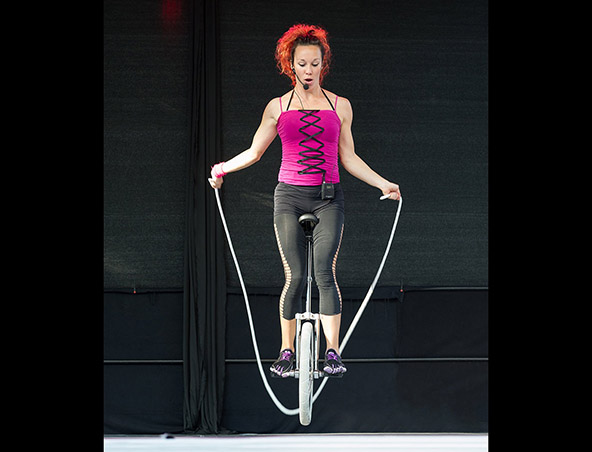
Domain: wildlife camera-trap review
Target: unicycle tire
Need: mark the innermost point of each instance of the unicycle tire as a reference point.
(306, 374)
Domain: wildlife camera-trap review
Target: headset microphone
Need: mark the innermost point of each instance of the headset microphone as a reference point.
(304, 85)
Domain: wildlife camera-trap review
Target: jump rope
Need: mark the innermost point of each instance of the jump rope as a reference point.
(278, 404)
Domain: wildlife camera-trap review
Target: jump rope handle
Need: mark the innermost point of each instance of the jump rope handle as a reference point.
(383, 197)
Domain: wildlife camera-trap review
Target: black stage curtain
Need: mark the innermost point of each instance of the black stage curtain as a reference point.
(205, 279)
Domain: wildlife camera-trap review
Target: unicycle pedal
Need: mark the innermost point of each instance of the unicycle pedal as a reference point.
(339, 375)
(281, 377)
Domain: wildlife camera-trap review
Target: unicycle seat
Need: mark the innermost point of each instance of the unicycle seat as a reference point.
(308, 221)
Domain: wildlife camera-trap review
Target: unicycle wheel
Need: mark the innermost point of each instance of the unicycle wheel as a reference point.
(306, 373)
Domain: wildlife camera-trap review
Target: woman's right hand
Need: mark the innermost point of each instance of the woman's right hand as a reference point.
(215, 182)
(217, 173)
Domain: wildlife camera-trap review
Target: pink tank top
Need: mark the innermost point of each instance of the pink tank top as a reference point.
(310, 143)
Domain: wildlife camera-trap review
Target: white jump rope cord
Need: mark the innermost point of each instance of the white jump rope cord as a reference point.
(281, 407)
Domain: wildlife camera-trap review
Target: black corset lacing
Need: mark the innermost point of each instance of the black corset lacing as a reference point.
(313, 155)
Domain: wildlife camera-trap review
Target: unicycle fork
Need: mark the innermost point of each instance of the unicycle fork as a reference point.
(308, 330)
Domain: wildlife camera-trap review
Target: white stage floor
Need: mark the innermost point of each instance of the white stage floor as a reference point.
(302, 442)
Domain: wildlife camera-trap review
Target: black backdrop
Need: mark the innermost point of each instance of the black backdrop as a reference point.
(416, 74)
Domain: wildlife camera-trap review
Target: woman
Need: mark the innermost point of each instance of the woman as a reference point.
(315, 129)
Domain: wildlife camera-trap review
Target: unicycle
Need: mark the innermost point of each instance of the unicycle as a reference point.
(308, 330)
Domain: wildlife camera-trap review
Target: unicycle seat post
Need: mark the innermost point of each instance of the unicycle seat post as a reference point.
(308, 221)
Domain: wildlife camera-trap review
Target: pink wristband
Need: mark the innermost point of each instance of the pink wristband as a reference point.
(217, 170)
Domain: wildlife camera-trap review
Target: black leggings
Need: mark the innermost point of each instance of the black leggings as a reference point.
(291, 201)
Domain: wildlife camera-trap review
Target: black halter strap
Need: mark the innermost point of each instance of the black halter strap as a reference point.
(325, 94)
(328, 100)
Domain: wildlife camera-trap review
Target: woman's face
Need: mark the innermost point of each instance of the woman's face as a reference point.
(307, 64)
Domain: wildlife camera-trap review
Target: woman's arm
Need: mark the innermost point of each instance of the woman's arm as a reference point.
(353, 163)
(263, 137)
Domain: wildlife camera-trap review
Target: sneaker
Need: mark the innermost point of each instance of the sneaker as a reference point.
(284, 364)
(333, 367)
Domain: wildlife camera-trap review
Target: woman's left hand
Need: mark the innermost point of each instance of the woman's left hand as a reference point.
(392, 190)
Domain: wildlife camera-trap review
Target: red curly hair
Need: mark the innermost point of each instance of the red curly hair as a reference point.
(301, 34)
